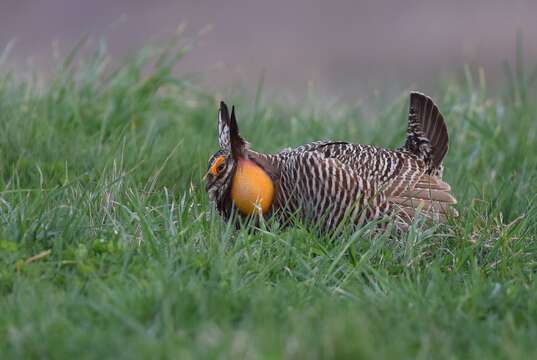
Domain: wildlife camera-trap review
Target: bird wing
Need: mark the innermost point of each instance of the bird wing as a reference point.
(401, 177)
(412, 190)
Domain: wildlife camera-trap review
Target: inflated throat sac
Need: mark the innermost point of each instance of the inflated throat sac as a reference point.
(252, 190)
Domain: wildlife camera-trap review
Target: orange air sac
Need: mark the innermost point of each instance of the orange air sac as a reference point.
(252, 190)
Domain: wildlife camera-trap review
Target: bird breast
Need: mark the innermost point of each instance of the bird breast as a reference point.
(252, 190)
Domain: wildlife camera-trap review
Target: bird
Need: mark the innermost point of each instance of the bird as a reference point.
(329, 183)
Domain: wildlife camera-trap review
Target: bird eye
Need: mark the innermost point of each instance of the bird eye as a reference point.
(218, 165)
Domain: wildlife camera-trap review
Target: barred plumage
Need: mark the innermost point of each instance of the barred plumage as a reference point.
(325, 182)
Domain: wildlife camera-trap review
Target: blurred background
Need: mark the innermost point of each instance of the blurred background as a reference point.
(343, 49)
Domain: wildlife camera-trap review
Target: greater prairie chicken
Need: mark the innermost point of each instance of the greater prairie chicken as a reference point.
(326, 182)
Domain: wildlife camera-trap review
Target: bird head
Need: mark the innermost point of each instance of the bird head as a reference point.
(223, 163)
(234, 174)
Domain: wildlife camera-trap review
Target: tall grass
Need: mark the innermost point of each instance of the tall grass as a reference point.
(108, 246)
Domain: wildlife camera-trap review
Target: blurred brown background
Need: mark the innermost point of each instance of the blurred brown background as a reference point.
(343, 48)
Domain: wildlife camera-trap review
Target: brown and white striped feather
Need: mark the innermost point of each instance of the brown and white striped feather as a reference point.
(324, 190)
(390, 181)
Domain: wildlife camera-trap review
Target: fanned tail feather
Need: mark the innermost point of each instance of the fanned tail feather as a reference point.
(427, 135)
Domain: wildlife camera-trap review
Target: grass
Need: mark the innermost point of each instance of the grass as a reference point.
(108, 247)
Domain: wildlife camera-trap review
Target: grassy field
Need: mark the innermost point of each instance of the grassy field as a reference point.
(108, 246)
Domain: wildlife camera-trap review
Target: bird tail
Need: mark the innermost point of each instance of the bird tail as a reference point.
(427, 135)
